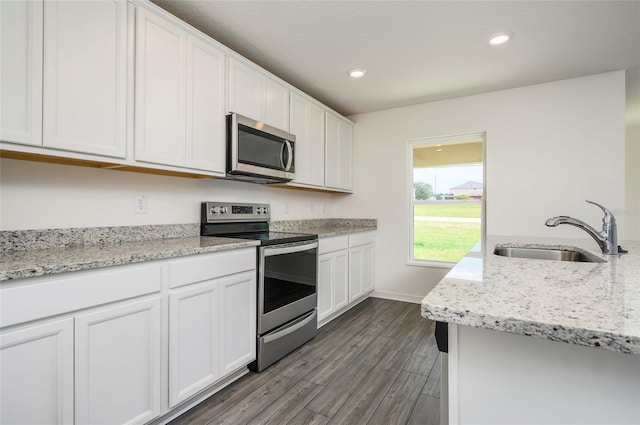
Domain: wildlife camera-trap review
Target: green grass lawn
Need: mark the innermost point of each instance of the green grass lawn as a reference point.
(448, 210)
(445, 241)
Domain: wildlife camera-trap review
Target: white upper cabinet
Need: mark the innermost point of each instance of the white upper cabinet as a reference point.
(21, 72)
(307, 124)
(339, 145)
(179, 96)
(64, 75)
(257, 95)
(276, 104)
(205, 106)
(245, 90)
(161, 83)
(85, 59)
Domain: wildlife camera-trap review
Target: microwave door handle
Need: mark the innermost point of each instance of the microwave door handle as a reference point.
(282, 164)
(289, 155)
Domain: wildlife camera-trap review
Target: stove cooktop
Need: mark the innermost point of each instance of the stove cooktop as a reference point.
(244, 221)
(272, 238)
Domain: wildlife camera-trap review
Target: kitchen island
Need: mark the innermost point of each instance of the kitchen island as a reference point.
(539, 341)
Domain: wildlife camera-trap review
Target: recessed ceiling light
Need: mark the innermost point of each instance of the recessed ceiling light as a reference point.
(356, 72)
(500, 38)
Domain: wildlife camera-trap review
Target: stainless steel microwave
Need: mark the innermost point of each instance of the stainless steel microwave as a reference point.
(257, 152)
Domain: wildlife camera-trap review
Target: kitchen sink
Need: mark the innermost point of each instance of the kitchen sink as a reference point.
(554, 254)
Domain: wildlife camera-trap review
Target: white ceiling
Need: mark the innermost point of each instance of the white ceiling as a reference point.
(419, 51)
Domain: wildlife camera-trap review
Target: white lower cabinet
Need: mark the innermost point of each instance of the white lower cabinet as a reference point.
(333, 276)
(36, 367)
(345, 273)
(211, 332)
(333, 289)
(212, 319)
(238, 326)
(117, 358)
(194, 340)
(361, 264)
(108, 346)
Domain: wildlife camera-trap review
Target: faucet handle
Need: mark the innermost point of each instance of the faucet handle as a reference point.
(608, 215)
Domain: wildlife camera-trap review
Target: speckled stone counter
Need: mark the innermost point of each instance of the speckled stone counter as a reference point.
(326, 227)
(30, 253)
(588, 304)
(21, 264)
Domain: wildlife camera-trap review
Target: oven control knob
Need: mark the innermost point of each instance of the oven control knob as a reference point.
(224, 210)
(215, 210)
(258, 210)
(265, 210)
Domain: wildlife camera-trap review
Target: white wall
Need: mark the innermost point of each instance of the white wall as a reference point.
(37, 196)
(548, 148)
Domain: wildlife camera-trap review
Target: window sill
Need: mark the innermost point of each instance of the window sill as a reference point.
(431, 264)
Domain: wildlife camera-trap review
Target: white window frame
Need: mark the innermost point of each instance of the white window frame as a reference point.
(411, 202)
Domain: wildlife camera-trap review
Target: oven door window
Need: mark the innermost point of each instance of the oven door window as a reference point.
(288, 278)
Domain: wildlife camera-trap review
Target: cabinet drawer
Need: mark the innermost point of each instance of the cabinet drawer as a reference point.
(46, 297)
(362, 238)
(185, 271)
(333, 243)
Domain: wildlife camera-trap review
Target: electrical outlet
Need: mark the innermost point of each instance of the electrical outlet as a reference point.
(140, 204)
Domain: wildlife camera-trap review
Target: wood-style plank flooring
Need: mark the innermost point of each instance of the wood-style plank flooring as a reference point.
(376, 364)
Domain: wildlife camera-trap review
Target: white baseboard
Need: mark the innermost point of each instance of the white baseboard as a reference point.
(415, 299)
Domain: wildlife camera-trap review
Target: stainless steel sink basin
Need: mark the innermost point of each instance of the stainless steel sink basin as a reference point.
(546, 254)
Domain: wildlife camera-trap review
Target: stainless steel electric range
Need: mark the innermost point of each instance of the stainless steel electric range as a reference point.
(287, 276)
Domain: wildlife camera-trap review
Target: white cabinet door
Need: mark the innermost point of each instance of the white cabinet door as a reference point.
(36, 374)
(117, 353)
(205, 106)
(257, 96)
(338, 174)
(160, 93)
(333, 283)
(361, 265)
(245, 90)
(85, 59)
(355, 273)
(194, 340)
(276, 104)
(307, 124)
(326, 265)
(21, 72)
(368, 255)
(341, 279)
(238, 320)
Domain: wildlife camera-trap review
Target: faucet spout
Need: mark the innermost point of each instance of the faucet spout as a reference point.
(607, 238)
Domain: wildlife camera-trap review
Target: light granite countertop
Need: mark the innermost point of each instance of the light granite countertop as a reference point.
(22, 264)
(588, 304)
(326, 228)
(30, 253)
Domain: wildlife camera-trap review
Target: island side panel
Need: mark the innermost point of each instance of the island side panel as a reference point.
(501, 378)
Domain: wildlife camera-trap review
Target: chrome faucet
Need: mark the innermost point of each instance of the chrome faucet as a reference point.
(607, 238)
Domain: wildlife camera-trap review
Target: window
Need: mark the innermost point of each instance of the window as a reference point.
(447, 198)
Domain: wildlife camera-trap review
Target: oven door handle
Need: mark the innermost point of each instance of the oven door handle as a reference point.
(269, 251)
(294, 327)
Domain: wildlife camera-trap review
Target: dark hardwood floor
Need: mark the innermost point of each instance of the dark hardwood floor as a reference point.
(376, 364)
